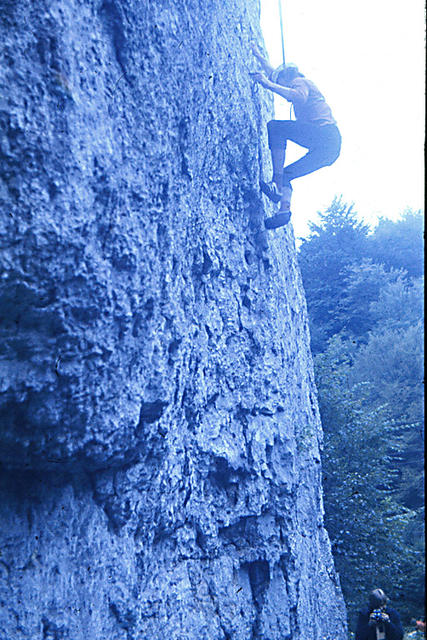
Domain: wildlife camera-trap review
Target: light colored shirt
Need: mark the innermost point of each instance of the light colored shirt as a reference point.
(309, 103)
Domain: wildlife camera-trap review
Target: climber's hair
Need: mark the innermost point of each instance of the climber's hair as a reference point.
(286, 73)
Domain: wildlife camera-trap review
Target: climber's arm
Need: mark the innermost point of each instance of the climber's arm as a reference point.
(296, 96)
(263, 61)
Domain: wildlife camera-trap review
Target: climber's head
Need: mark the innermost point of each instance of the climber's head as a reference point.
(285, 74)
(377, 599)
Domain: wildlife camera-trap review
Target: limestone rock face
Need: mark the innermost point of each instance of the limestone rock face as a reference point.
(160, 436)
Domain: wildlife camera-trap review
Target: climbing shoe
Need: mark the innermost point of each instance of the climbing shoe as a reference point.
(271, 190)
(279, 220)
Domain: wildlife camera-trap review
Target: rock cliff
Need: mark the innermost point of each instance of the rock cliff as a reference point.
(159, 448)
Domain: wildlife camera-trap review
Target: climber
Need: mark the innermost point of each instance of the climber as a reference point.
(314, 129)
(378, 621)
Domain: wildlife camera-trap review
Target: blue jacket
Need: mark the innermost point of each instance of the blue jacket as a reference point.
(393, 628)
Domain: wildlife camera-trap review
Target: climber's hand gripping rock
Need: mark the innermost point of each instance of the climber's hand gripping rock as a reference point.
(258, 76)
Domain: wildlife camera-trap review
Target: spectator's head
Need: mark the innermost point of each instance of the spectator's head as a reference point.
(377, 599)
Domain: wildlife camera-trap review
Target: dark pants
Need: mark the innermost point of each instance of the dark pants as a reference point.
(323, 144)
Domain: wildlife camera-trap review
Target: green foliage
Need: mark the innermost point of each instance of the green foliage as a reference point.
(399, 244)
(341, 255)
(339, 241)
(392, 362)
(361, 286)
(390, 365)
(364, 295)
(399, 304)
(366, 524)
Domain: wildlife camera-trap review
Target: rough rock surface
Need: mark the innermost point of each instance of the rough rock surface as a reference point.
(159, 447)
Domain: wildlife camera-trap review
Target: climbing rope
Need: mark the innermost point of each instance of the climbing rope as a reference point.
(281, 30)
(283, 46)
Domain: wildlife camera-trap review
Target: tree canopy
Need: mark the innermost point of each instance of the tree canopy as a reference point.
(364, 296)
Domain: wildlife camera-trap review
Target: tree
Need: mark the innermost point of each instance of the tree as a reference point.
(339, 241)
(391, 362)
(364, 297)
(365, 523)
(362, 284)
(399, 244)
(399, 304)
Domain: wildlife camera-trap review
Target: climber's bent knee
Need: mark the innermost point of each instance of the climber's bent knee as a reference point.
(278, 131)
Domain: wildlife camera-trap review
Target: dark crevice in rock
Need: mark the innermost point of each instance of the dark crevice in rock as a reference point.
(113, 21)
(125, 617)
(52, 631)
(241, 534)
(173, 347)
(221, 474)
(151, 412)
(187, 498)
(212, 399)
(259, 580)
(191, 412)
(118, 512)
(202, 540)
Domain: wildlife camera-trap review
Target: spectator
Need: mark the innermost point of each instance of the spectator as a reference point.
(378, 621)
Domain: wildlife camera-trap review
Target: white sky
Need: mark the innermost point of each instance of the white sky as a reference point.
(367, 58)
